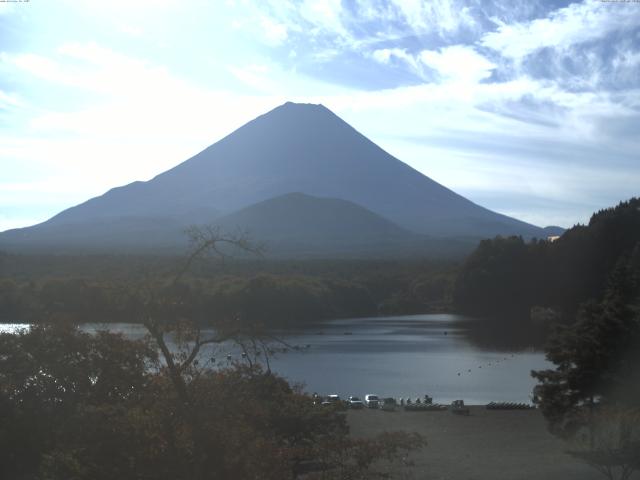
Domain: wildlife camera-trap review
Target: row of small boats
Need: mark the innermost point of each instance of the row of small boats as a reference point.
(418, 405)
(424, 407)
(508, 406)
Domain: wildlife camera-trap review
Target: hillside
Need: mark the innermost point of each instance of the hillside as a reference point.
(300, 224)
(293, 148)
(507, 276)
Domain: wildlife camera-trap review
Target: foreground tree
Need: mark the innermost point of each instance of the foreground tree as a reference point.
(79, 406)
(592, 398)
(612, 444)
(70, 401)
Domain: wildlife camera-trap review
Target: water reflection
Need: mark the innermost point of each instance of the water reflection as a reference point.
(506, 334)
(411, 356)
(445, 356)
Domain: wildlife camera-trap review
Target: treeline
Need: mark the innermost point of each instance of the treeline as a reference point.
(507, 277)
(115, 289)
(591, 396)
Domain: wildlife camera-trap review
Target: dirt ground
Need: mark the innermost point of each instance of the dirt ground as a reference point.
(486, 445)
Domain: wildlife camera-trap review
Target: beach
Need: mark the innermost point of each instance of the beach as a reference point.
(486, 445)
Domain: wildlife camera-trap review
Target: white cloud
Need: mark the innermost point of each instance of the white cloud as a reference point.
(131, 30)
(100, 69)
(9, 100)
(39, 66)
(383, 55)
(7, 222)
(626, 59)
(7, 8)
(577, 23)
(325, 15)
(386, 55)
(458, 63)
(442, 16)
(275, 33)
(254, 76)
(58, 186)
(124, 7)
(325, 22)
(326, 27)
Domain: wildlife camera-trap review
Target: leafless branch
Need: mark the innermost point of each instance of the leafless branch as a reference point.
(206, 239)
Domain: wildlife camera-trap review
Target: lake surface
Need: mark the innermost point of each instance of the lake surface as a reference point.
(399, 356)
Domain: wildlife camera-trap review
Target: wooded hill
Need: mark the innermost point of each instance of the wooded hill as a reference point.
(509, 276)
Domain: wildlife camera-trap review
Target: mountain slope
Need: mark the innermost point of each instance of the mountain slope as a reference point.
(293, 148)
(131, 234)
(291, 225)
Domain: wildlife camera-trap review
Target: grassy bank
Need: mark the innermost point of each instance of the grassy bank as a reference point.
(486, 445)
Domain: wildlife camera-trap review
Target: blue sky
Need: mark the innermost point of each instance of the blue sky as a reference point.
(530, 108)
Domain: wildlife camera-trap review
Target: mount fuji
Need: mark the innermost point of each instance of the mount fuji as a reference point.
(296, 175)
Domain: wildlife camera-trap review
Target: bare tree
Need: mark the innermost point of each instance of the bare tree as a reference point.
(182, 340)
(163, 315)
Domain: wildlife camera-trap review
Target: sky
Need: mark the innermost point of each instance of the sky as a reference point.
(529, 108)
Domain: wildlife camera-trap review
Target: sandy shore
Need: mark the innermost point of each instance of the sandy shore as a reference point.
(486, 445)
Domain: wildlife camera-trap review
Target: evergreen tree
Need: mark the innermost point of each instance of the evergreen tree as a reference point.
(596, 358)
(593, 395)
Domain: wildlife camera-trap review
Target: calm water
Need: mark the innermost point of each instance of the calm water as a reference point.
(401, 356)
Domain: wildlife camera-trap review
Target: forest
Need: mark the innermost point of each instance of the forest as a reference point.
(506, 280)
(509, 278)
(281, 293)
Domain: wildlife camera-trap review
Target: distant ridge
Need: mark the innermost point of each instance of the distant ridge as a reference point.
(304, 218)
(293, 148)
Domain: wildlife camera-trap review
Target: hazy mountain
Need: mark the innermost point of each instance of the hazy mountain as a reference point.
(132, 234)
(293, 224)
(301, 217)
(293, 148)
(301, 224)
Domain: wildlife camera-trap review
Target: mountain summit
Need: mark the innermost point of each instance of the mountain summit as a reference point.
(293, 148)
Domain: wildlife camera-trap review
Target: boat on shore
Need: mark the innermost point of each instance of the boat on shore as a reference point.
(424, 407)
(459, 408)
(508, 406)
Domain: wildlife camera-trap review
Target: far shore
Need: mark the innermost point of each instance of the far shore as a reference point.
(486, 445)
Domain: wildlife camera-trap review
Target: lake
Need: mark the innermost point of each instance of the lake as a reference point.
(399, 356)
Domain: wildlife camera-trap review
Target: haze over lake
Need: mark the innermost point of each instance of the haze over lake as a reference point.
(400, 356)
